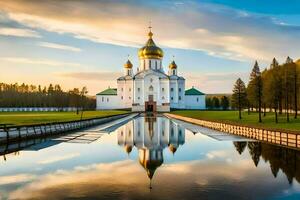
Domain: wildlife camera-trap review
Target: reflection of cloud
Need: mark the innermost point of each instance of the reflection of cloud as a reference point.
(220, 31)
(58, 46)
(18, 178)
(19, 32)
(22, 60)
(217, 154)
(101, 76)
(58, 158)
(130, 180)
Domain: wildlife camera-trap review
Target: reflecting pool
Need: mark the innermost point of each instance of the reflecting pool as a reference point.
(148, 158)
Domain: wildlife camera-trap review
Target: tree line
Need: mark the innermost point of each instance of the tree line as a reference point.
(218, 102)
(279, 158)
(275, 89)
(24, 95)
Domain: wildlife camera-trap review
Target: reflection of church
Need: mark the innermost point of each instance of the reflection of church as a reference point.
(151, 135)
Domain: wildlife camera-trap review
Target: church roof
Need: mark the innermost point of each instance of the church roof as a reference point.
(175, 77)
(142, 74)
(109, 91)
(125, 78)
(193, 91)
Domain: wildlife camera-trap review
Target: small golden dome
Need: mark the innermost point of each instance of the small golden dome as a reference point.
(128, 64)
(150, 50)
(128, 148)
(173, 65)
(172, 148)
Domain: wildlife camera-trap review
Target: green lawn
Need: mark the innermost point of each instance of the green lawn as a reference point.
(26, 118)
(249, 120)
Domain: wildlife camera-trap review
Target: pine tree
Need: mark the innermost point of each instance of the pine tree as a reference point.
(216, 102)
(239, 96)
(254, 89)
(224, 103)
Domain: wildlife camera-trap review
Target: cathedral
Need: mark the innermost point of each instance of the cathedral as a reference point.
(150, 88)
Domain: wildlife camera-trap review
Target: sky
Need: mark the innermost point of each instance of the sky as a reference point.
(86, 43)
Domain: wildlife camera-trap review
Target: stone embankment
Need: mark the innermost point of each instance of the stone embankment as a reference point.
(17, 133)
(288, 139)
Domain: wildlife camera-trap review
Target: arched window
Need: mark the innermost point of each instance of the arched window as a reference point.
(155, 64)
(151, 88)
(149, 63)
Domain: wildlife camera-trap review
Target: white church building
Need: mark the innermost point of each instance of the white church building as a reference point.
(150, 88)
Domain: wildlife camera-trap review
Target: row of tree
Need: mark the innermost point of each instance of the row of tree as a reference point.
(275, 89)
(217, 102)
(15, 95)
(279, 158)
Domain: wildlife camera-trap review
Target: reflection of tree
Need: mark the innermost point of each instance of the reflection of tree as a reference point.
(240, 146)
(255, 151)
(279, 158)
(282, 158)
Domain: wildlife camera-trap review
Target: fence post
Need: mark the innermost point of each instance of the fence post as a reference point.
(19, 130)
(7, 133)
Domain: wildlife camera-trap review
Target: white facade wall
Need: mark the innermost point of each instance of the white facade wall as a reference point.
(177, 97)
(125, 93)
(195, 102)
(158, 86)
(106, 102)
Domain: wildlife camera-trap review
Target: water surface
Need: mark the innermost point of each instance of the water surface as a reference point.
(149, 158)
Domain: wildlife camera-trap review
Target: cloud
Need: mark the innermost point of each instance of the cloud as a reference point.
(209, 81)
(17, 178)
(19, 32)
(59, 46)
(217, 30)
(58, 158)
(34, 61)
(100, 76)
(103, 180)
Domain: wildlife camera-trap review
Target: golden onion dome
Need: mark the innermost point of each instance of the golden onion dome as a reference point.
(128, 148)
(173, 65)
(150, 50)
(128, 64)
(172, 148)
(150, 166)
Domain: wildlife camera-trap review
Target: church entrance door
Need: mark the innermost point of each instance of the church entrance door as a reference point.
(149, 108)
(150, 105)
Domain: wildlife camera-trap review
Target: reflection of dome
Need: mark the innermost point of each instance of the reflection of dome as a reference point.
(173, 65)
(128, 64)
(150, 166)
(172, 148)
(150, 50)
(145, 134)
(128, 148)
(150, 160)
